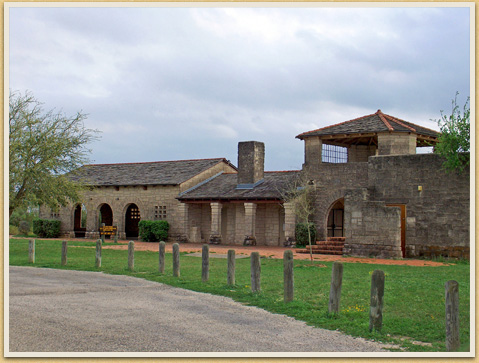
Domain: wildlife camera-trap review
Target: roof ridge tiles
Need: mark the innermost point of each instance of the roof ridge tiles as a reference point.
(156, 162)
(384, 120)
(400, 122)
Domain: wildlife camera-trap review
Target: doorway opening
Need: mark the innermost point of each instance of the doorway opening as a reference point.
(132, 217)
(336, 219)
(79, 221)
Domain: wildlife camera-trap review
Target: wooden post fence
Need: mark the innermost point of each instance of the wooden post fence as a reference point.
(288, 276)
(377, 294)
(64, 253)
(335, 291)
(102, 235)
(161, 257)
(176, 260)
(231, 267)
(205, 263)
(255, 272)
(98, 254)
(31, 251)
(452, 316)
(131, 255)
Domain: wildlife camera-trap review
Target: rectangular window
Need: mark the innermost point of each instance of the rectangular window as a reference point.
(334, 154)
(160, 212)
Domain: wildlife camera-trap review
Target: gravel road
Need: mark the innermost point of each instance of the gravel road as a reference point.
(73, 311)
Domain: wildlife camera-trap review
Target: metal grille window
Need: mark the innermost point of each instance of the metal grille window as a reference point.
(334, 154)
(160, 212)
(135, 213)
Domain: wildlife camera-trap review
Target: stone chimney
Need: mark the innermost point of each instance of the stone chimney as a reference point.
(250, 164)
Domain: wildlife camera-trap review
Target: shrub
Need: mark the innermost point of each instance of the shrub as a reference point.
(24, 227)
(13, 230)
(153, 231)
(301, 233)
(47, 228)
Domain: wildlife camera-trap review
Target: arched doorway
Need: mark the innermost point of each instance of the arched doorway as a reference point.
(336, 219)
(105, 215)
(79, 221)
(132, 217)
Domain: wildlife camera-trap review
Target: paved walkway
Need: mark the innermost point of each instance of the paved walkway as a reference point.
(77, 311)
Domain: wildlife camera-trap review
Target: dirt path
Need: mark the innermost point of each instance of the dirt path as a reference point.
(267, 251)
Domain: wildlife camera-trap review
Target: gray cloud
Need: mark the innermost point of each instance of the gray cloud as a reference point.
(173, 83)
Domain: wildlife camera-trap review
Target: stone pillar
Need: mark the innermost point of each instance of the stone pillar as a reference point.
(313, 150)
(183, 222)
(215, 236)
(91, 223)
(250, 224)
(289, 224)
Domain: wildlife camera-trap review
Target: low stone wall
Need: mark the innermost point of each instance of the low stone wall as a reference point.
(371, 228)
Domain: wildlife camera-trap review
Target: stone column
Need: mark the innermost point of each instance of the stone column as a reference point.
(289, 224)
(215, 236)
(183, 222)
(250, 224)
(91, 222)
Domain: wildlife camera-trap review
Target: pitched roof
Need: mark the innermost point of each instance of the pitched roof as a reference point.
(223, 187)
(374, 123)
(152, 173)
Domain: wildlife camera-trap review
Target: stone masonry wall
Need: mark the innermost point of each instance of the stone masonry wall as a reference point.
(332, 181)
(371, 228)
(146, 198)
(437, 202)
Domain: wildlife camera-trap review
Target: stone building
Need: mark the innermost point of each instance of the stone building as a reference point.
(372, 191)
(382, 197)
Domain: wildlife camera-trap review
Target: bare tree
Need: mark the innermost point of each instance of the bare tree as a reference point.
(301, 195)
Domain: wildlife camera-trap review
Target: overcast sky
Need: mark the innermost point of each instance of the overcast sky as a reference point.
(187, 83)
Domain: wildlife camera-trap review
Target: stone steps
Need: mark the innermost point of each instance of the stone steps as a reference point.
(332, 246)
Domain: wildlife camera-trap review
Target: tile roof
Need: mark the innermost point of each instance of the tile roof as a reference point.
(376, 122)
(150, 173)
(223, 187)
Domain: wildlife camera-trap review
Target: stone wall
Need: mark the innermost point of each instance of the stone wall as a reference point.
(332, 181)
(119, 198)
(437, 202)
(371, 228)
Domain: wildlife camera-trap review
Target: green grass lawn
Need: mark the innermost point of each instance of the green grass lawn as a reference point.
(414, 297)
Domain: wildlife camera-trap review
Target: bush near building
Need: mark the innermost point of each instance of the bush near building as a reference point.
(153, 231)
(302, 238)
(48, 228)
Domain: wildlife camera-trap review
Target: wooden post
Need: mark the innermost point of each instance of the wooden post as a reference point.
(205, 265)
(377, 294)
(231, 267)
(335, 291)
(255, 272)
(98, 254)
(176, 260)
(161, 257)
(31, 251)
(64, 253)
(452, 316)
(288, 276)
(131, 255)
(102, 235)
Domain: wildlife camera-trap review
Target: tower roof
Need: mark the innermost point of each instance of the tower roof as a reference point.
(364, 130)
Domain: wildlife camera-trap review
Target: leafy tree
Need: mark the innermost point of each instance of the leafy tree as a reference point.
(44, 146)
(454, 141)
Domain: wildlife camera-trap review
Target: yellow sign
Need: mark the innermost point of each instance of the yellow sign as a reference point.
(108, 230)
